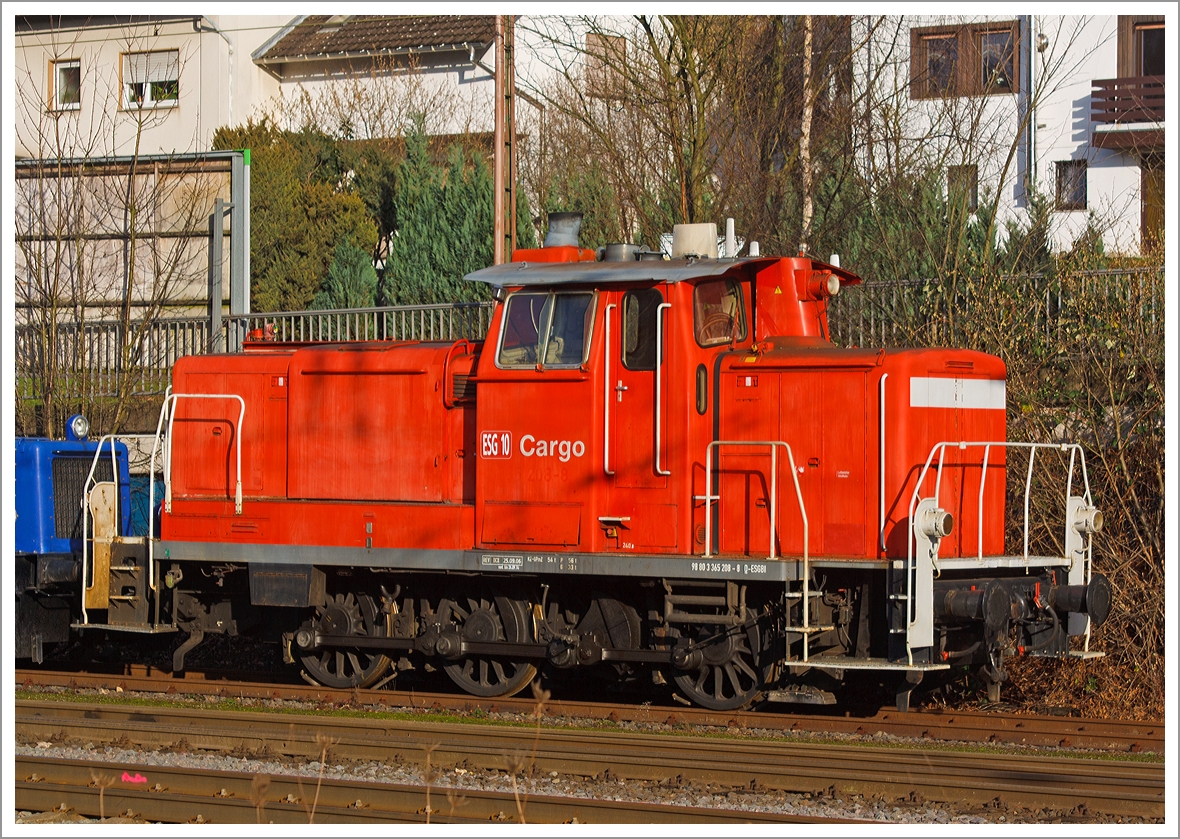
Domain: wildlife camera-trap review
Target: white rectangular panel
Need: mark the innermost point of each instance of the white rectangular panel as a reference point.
(941, 392)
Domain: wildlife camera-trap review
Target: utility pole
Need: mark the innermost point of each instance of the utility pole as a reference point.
(504, 141)
(805, 134)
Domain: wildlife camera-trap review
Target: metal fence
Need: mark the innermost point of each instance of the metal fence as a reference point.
(908, 313)
(101, 358)
(391, 323)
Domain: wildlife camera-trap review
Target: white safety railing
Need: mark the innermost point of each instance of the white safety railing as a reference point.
(163, 444)
(606, 394)
(772, 553)
(1075, 450)
(112, 439)
(174, 398)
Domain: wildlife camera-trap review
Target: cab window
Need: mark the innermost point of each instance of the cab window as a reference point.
(639, 328)
(547, 328)
(718, 314)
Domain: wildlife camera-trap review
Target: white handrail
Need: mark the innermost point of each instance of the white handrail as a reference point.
(881, 456)
(86, 508)
(659, 369)
(987, 450)
(238, 445)
(606, 400)
(709, 497)
(152, 489)
(114, 438)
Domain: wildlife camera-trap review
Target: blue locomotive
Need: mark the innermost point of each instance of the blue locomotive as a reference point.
(51, 478)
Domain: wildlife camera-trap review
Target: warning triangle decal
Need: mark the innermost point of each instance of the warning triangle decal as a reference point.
(778, 290)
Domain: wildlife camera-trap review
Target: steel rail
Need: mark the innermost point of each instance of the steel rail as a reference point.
(1114, 787)
(957, 726)
(180, 794)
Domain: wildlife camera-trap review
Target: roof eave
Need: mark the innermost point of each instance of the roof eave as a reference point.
(466, 46)
(597, 273)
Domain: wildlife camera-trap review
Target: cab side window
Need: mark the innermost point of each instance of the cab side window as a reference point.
(718, 314)
(569, 331)
(524, 320)
(547, 328)
(640, 308)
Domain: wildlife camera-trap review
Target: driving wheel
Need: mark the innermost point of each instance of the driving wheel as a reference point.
(341, 667)
(484, 620)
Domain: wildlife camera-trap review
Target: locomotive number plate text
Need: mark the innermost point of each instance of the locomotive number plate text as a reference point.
(754, 569)
(495, 445)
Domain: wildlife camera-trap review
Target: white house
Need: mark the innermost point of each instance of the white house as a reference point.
(95, 85)
(1071, 107)
(149, 84)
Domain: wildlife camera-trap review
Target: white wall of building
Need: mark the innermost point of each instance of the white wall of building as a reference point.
(455, 98)
(1086, 49)
(215, 87)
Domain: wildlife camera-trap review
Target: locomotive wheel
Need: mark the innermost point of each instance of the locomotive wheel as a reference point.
(348, 614)
(730, 675)
(501, 619)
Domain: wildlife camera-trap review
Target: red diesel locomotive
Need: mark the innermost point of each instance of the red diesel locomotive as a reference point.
(660, 468)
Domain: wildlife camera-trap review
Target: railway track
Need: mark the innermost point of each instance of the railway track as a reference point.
(955, 778)
(951, 726)
(178, 795)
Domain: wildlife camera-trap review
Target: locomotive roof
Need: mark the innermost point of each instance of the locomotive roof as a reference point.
(600, 273)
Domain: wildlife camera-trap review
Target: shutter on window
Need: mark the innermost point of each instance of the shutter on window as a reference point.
(152, 67)
(163, 66)
(135, 68)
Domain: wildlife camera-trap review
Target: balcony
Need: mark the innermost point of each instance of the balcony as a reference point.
(1128, 114)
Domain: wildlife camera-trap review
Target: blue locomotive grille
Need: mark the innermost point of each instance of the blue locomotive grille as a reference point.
(69, 477)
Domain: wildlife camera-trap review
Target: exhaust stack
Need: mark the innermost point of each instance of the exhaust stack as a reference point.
(563, 230)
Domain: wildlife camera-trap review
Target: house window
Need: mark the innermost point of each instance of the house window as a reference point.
(1071, 185)
(151, 79)
(1149, 44)
(606, 55)
(962, 186)
(942, 63)
(969, 60)
(1140, 46)
(66, 79)
(997, 55)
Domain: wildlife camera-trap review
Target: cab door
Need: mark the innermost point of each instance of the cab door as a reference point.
(636, 392)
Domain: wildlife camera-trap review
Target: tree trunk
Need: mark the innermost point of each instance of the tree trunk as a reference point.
(805, 135)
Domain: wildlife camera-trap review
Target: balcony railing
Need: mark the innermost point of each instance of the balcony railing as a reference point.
(1130, 100)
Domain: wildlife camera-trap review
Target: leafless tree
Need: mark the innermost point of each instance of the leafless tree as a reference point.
(376, 102)
(102, 245)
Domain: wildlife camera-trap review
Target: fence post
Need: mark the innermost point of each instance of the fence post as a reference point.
(215, 245)
(239, 249)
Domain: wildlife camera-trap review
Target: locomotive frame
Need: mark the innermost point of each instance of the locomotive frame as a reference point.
(562, 495)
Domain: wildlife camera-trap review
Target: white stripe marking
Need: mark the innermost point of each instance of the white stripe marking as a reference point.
(939, 392)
